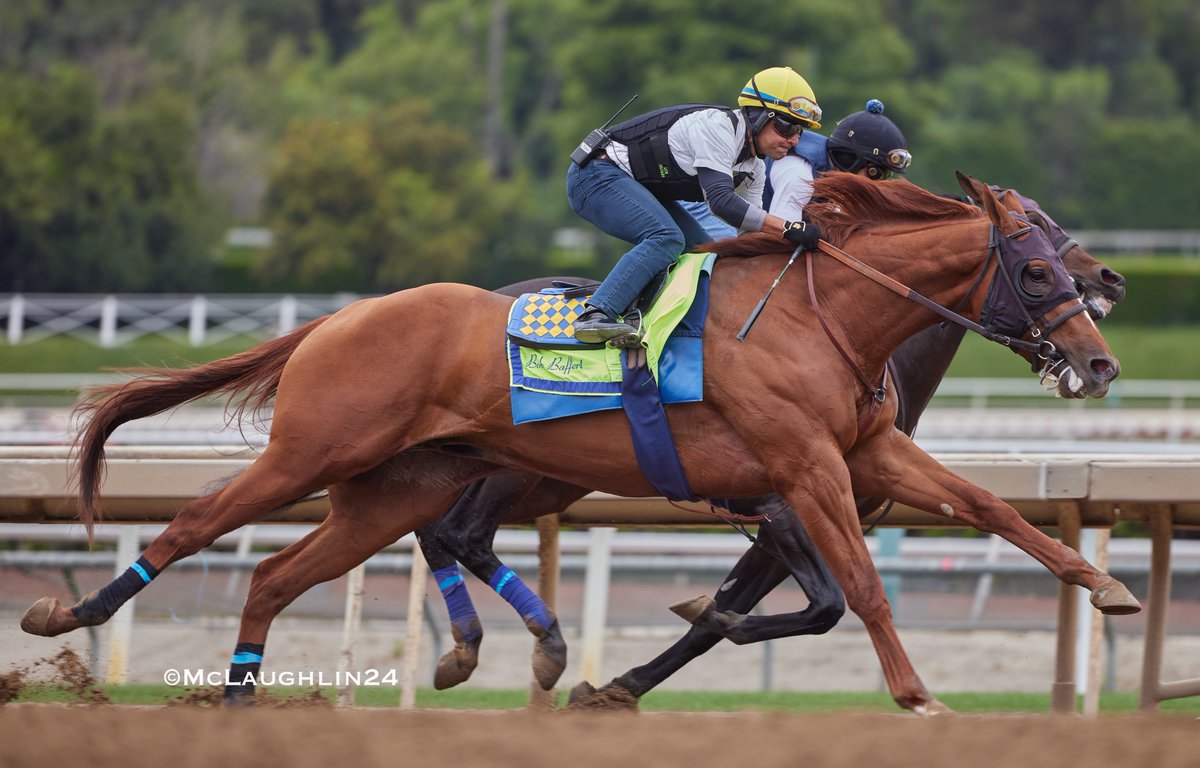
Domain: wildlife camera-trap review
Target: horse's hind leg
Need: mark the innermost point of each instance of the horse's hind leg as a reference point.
(755, 574)
(194, 527)
(368, 512)
(457, 664)
(783, 538)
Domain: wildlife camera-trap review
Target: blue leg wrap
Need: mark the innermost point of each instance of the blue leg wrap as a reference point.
(98, 608)
(509, 586)
(458, 602)
(244, 668)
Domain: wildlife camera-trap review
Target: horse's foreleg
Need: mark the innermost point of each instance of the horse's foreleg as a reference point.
(457, 664)
(916, 479)
(467, 532)
(783, 547)
(826, 506)
(194, 527)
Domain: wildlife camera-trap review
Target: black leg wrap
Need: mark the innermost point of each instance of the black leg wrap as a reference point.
(243, 671)
(100, 606)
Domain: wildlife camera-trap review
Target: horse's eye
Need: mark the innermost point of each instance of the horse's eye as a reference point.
(1038, 274)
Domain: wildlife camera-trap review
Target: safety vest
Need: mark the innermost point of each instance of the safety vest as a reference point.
(650, 158)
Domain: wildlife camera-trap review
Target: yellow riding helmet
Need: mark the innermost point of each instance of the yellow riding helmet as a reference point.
(783, 91)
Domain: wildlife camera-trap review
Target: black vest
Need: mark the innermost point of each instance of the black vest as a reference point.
(650, 158)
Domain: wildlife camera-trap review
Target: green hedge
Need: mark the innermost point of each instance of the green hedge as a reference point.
(1160, 291)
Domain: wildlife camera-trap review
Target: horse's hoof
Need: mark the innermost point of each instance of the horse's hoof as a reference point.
(692, 610)
(48, 618)
(456, 666)
(1115, 599)
(611, 697)
(932, 708)
(580, 693)
(549, 657)
(237, 698)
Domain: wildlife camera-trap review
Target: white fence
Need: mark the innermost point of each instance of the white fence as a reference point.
(1139, 240)
(1071, 492)
(112, 320)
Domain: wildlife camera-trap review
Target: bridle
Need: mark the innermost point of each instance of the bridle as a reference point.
(1036, 326)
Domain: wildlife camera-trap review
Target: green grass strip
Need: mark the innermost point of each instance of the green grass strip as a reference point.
(655, 701)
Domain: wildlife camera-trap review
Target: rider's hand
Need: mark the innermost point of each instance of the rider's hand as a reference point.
(802, 233)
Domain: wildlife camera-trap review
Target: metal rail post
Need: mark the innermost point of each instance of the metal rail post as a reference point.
(352, 622)
(1159, 518)
(595, 601)
(1096, 647)
(120, 626)
(16, 319)
(412, 633)
(1062, 692)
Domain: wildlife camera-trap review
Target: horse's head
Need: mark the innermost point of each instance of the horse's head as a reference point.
(1032, 297)
(1099, 285)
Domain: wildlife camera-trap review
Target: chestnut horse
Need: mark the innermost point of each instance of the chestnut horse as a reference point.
(782, 548)
(368, 400)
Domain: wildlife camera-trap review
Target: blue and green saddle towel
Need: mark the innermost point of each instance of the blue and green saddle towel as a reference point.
(552, 375)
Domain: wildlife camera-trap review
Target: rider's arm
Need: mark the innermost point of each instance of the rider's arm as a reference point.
(792, 182)
(724, 201)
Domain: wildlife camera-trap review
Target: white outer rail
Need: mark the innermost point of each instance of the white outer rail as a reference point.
(1069, 491)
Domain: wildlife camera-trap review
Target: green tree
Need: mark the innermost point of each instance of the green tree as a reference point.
(125, 211)
(390, 201)
(1142, 175)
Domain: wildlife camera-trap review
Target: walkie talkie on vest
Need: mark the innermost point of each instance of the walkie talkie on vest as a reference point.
(596, 139)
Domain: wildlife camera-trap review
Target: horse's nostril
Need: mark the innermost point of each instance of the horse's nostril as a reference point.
(1103, 367)
(1112, 278)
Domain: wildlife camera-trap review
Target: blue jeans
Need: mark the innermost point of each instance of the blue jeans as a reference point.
(716, 227)
(660, 230)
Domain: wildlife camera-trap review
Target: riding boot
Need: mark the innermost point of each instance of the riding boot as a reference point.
(594, 326)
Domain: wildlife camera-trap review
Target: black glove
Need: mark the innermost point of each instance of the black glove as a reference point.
(802, 233)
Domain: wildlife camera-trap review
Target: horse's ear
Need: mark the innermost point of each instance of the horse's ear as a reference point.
(967, 183)
(996, 211)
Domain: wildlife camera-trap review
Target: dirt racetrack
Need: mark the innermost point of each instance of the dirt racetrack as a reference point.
(43, 735)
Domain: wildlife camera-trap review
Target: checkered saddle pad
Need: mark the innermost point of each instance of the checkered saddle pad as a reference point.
(545, 360)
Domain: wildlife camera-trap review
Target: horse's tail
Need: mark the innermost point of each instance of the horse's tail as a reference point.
(250, 379)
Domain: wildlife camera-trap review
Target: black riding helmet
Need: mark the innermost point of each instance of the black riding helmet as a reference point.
(868, 139)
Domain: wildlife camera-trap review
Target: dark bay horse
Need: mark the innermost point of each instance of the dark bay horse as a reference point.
(782, 548)
(368, 400)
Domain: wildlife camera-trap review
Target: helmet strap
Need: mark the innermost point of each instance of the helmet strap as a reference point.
(761, 122)
(752, 132)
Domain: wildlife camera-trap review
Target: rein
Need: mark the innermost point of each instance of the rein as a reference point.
(1043, 348)
(878, 394)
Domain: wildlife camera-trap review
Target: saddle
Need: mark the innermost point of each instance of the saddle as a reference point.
(544, 356)
(551, 375)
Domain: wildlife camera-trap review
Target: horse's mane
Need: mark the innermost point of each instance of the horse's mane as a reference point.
(844, 203)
